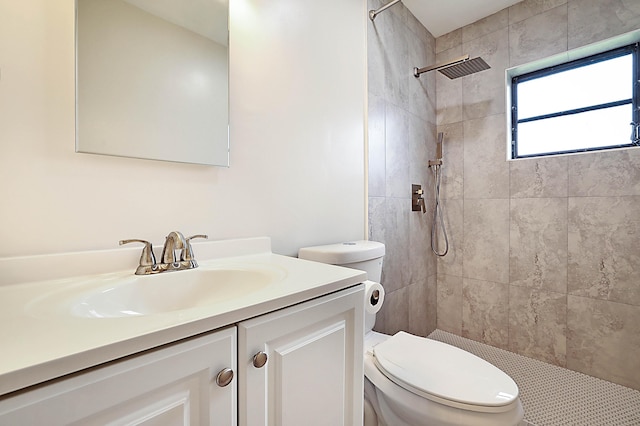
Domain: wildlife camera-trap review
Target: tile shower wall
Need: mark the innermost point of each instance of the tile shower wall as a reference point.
(545, 257)
(401, 141)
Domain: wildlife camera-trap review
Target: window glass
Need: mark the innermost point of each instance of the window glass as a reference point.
(584, 105)
(574, 132)
(595, 84)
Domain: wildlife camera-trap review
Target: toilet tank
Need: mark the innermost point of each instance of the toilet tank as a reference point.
(363, 255)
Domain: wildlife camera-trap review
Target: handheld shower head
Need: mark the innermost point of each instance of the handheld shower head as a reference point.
(439, 146)
(438, 161)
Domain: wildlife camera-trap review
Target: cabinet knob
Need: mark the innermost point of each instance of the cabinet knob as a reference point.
(224, 377)
(259, 359)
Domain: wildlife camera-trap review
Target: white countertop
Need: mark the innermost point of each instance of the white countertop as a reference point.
(42, 343)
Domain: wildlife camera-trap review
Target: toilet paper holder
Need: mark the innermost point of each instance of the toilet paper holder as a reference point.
(375, 297)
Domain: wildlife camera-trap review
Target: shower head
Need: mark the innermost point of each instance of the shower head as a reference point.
(465, 68)
(374, 13)
(439, 146)
(438, 161)
(456, 68)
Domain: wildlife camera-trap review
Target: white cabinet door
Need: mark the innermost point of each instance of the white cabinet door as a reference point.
(173, 385)
(314, 364)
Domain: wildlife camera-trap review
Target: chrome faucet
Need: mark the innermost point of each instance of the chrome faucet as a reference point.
(175, 240)
(169, 262)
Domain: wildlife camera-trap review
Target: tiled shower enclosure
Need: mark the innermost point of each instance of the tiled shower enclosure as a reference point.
(545, 253)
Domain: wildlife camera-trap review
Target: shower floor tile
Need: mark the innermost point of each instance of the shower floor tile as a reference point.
(553, 395)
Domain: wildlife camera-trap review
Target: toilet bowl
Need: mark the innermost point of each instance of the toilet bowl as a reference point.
(413, 381)
(410, 380)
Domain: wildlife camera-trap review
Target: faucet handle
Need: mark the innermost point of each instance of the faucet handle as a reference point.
(187, 253)
(147, 258)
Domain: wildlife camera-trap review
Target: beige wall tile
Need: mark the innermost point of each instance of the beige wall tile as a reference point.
(604, 248)
(401, 141)
(376, 146)
(449, 92)
(394, 315)
(422, 299)
(453, 214)
(376, 218)
(538, 243)
(422, 148)
(449, 40)
(486, 170)
(485, 26)
(483, 93)
(422, 262)
(449, 306)
(453, 161)
(605, 173)
(485, 312)
(537, 324)
(486, 240)
(397, 155)
(539, 177)
(591, 243)
(393, 39)
(528, 8)
(397, 266)
(603, 339)
(376, 75)
(538, 37)
(422, 94)
(421, 91)
(595, 20)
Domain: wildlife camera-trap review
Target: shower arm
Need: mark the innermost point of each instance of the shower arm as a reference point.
(418, 71)
(373, 13)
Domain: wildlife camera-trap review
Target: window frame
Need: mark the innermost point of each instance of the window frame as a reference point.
(560, 66)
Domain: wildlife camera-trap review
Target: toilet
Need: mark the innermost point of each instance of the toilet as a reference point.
(414, 381)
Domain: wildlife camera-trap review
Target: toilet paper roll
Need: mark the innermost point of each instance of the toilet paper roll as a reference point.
(374, 296)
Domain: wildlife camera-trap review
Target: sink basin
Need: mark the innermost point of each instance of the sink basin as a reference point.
(138, 295)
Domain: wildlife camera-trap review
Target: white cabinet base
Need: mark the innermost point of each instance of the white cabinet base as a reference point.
(314, 373)
(173, 385)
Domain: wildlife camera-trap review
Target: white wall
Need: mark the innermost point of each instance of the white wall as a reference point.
(297, 138)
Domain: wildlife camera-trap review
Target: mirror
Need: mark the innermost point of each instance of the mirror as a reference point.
(152, 79)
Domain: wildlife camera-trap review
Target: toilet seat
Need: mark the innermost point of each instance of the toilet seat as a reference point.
(444, 374)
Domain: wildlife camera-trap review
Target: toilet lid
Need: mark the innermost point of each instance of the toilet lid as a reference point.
(439, 371)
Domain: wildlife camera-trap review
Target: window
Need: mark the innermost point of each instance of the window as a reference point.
(587, 104)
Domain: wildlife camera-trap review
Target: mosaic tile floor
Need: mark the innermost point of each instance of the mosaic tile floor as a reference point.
(555, 396)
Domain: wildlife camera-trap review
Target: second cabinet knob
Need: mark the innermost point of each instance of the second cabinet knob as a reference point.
(259, 359)
(224, 377)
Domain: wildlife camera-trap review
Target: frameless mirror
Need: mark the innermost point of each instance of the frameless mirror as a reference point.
(152, 79)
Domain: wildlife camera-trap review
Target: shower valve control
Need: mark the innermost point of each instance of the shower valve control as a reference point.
(417, 201)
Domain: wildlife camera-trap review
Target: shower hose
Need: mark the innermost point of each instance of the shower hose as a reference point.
(437, 216)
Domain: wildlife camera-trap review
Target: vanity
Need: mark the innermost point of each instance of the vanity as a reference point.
(249, 337)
